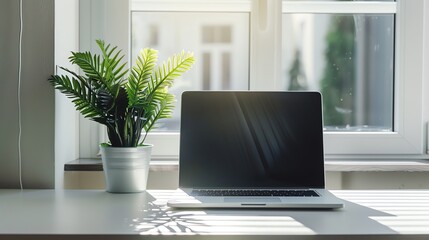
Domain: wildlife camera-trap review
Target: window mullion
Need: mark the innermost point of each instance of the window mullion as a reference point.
(265, 42)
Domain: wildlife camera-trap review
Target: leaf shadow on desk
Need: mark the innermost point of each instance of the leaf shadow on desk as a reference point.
(157, 218)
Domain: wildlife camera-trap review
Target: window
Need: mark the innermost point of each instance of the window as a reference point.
(364, 56)
(355, 52)
(345, 50)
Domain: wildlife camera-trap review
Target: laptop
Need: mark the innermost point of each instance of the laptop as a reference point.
(247, 149)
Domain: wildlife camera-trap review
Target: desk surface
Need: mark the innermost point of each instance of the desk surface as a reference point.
(399, 214)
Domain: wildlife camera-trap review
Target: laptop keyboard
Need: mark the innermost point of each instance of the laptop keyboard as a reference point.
(253, 193)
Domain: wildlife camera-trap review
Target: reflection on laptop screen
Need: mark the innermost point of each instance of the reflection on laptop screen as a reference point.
(251, 139)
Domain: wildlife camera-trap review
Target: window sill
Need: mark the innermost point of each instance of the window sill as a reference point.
(94, 164)
(377, 166)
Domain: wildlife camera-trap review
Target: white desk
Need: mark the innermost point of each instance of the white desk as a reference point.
(94, 214)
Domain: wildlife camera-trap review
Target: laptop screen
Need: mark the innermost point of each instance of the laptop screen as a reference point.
(251, 140)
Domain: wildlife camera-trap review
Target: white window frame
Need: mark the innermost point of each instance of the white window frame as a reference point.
(409, 135)
(408, 140)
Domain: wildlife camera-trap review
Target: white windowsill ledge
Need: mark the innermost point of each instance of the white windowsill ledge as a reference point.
(330, 165)
(377, 166)
(339, 166)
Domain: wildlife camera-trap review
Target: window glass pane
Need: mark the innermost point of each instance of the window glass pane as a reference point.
(349, 58)
(220, 42)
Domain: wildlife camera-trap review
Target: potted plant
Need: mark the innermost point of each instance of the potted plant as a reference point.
(129, 102)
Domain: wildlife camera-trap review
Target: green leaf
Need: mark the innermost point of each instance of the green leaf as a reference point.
(79, 93)
(140, 76)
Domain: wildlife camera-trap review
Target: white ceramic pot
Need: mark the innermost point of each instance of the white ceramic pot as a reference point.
(126, 169)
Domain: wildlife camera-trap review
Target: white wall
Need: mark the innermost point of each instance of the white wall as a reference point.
(66, 118)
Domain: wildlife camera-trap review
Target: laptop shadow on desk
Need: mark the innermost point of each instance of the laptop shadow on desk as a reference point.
(353, 219)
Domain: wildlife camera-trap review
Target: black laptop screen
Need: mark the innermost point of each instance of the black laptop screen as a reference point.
(251, 140)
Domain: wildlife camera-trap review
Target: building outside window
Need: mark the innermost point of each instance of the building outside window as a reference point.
(220, 42)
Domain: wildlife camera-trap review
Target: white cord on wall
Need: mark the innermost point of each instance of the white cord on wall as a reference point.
(19, 94)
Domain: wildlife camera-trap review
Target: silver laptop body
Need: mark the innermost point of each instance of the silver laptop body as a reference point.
(246, 149)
